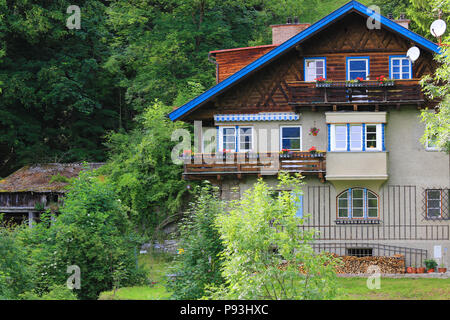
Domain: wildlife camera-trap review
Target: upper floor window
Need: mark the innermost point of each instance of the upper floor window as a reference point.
(357, 203)
(431, 144)
(357, 68)
(315, 68)
(236, 139)
(400, 67)
(245, 139)
(291, 138)
(356, 137)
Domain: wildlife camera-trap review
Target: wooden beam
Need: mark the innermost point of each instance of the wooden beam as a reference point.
(355, 107)
(334, 107)
(377, 108)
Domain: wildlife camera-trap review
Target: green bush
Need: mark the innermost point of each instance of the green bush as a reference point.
(14, 271)
(265, 246)
(198, 263)
(93, 232)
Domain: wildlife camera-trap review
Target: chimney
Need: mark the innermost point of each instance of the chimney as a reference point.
(403, 21)
(283, 32)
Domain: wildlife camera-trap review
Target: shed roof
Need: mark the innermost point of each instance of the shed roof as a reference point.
(37, 177)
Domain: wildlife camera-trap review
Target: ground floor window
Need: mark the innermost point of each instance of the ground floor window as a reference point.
(357, 203)
(360, 252)
(434, 203)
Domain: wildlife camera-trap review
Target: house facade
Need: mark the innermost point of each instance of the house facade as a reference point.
(344, 89)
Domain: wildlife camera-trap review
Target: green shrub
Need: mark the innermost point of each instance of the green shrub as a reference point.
(265, 246)
(14, 271)
(198, 263)
(93, 232)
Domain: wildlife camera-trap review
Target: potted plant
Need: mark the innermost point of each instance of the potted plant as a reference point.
(314, 131)
(383, 81)
(285, 153)
(411, 269)
(420, 270)
(442, 268)
(430, 264)
(312, 150)
(321, 82)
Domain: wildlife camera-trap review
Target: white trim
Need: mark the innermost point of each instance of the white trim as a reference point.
(252, 143)
(281, 137)
(391, 64)
(357, 59)
(333, 137)
(263, 116)
(221, 137)
(315, 70)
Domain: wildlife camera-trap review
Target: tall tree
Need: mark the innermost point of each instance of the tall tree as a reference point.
(56, 101)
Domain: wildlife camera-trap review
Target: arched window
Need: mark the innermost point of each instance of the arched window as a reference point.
(357, 203)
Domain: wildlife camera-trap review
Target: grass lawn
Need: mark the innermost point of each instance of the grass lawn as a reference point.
(395, 289)
(350, 288)
(157, 266)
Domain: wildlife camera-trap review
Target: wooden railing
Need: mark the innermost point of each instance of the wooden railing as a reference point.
(365, 92)
(217, 165)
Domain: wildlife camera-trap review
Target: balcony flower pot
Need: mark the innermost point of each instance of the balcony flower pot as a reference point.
(420, 270)
(442, 270)
(430, 271)
(411, 270)
(430, 264)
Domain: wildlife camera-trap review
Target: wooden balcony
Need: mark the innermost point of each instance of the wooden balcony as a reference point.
(216, 166)
(365, 92)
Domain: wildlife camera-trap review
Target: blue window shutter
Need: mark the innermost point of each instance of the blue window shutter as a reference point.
(217, 139)
(348, 136)
(237, 139)
(363, 137)
(382, 136)
(300, 206)
(329, 137)
(365, 204)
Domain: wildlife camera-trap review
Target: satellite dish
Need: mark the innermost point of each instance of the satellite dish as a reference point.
(438, 28)
(413, 54)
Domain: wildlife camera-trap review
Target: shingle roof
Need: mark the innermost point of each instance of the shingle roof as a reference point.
(36, 178)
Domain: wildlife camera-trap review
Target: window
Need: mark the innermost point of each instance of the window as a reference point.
(400, 68)
(299, 203)
(245, 139)
(434, 203)
(314, 68)
(228, 138)
(339, 137)
(431, 144)
(357, 68)
(356, 137)
(371, 137)
(360, 252)
(291, 138)
(357, 203)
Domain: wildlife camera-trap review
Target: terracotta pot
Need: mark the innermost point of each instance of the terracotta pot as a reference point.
(442, 270)
(430, 270)
(411, 270)
(420, 270)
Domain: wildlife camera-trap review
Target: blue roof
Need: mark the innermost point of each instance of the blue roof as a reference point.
(284, 47)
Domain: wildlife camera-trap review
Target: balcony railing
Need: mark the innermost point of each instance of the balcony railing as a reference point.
(201, 166)
(364, 92)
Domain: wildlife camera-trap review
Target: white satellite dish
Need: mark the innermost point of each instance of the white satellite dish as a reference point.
(413, 54)
(438, 28)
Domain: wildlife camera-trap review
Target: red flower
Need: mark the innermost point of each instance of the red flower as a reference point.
(312, 149)
(359, 79)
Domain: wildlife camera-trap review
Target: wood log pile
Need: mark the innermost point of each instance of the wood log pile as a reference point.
(352, 265)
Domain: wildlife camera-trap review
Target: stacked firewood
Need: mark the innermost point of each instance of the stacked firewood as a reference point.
(352, 265)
